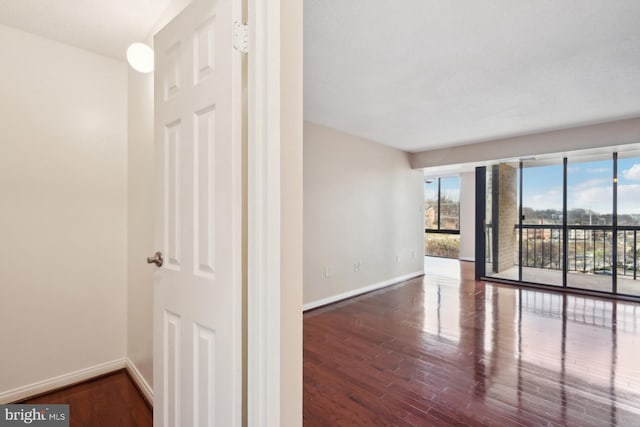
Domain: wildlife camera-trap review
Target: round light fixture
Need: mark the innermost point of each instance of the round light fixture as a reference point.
(140, 57)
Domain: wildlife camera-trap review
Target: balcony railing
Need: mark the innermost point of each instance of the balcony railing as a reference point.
(590, 248)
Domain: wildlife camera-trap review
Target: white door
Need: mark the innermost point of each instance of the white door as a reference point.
(198, 289)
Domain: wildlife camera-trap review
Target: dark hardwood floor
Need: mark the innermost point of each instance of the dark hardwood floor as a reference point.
(108, 401)
(446, 350)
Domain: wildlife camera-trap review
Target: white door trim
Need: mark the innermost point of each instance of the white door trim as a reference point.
(263, 323)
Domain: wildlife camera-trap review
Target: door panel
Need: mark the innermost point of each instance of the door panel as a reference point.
(171, 356)
(171, 207)
(204, 184)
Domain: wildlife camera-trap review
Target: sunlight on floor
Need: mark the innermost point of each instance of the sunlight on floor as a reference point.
(443, 268)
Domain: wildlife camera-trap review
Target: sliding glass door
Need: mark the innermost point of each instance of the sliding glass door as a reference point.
(590, 225)
(628, 225)
(541, 227)
(569, 222)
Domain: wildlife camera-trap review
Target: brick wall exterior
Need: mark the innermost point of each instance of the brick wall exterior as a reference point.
(507, 216)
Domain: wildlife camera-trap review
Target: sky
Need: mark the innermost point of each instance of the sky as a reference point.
(449, 186)
(589, 186)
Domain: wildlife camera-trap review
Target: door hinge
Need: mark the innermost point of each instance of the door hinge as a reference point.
(241, 37)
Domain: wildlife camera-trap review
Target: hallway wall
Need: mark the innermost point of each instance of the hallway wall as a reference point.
(140, 244)
(63, 181)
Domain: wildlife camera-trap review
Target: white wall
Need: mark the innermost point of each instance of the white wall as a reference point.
(467, 216)
(62, 209)
(362, 203)
(140, 219)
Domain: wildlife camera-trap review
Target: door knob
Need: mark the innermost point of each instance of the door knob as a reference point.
(156, 259)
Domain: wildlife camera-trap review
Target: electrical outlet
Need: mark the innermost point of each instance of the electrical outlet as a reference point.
(413, 254)
(397, 259)
(356, 266)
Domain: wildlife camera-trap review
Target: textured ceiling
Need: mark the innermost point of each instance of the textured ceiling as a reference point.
(423, 74)
(106, 27)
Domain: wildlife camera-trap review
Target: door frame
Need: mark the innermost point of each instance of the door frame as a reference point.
(274, 197)
(263, 228)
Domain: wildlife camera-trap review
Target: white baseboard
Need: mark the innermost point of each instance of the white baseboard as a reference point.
(359, 291)
(77, 377)
(61, 381)
(142, 384)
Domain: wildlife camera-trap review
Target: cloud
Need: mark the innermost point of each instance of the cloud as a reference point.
(431, 194)
(628, 197)
(550, 199)
(588, 184)
(453, 194)
(599, 170)
(597, 198)
(633, 173)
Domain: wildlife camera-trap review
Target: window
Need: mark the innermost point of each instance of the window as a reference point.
(567, 221)
(442, 204)
(442, 217)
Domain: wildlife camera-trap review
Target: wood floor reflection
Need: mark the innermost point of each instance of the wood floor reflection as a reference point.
(107, 401)
(446, 350)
